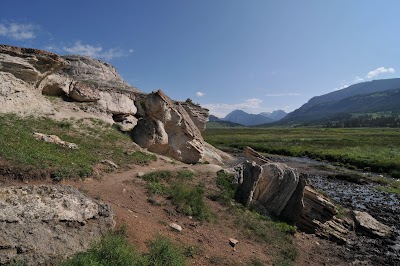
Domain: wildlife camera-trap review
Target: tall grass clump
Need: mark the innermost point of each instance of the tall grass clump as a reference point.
(114, 250)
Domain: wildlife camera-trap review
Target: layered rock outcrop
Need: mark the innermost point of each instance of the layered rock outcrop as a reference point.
(92, 88)
(278, 190)
(41, 225)
(165, 127)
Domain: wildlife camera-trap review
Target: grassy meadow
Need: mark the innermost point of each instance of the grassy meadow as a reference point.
(369, 149)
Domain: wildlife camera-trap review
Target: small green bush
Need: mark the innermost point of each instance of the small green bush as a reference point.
(157, 176)
(190, 200)
(185, 174)
(112, 250)
(156, 188)
(142, 158)
(162, 252)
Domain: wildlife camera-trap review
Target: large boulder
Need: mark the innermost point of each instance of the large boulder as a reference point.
(44, 224)
(198, 115)
(269, 186)
(166, 128)
(278, 190)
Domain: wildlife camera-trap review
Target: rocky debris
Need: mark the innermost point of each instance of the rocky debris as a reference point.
(317, 209)
(54, 139)
(41, 225)
(165, 127)
(176, 227)
(368, 225)
(233, 242)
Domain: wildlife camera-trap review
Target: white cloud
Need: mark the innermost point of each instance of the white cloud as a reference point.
(94, 51)
(252, 105)
(18, 31)
(282, 94)
(200, 94)
(378, 71)
(358, 79)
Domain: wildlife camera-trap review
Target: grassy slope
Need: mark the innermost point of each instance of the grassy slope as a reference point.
(366, 148)
(96, 141)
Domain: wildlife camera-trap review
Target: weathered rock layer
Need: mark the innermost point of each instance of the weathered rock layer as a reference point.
(44, 224)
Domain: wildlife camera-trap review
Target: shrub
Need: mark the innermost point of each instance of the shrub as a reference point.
(157, 176)
(190, 200)
(112, 250)
(164, 253)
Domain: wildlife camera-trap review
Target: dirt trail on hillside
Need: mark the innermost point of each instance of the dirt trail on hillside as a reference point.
(126, 193)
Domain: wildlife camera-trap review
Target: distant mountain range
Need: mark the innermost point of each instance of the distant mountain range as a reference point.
(377, 96)
(239, 117)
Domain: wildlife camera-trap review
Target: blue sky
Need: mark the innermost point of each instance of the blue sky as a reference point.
(224, 54)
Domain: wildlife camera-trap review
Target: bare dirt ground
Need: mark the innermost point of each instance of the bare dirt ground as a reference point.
(126, 193)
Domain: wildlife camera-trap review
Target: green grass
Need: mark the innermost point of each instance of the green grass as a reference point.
(96, 141)
(278, 235)
(375, 149)
(227, 186)
(188, 198)
(157, 176)
(114, 250)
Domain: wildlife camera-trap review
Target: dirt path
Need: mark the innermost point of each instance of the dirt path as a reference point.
(208, 242)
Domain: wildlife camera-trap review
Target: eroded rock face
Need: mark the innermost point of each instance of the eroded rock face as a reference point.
(166, 128)
(92, 88)
(44, 224)
(84, 68)
(276, 189)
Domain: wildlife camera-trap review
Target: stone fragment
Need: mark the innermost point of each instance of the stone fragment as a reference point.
(176, 227)
(233, 242)
(110, 163)
(54, 139)
(368, 225)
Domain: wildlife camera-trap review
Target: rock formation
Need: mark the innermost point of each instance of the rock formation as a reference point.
(278, 190)
(92, 88)
(165, 127)
(44, 224)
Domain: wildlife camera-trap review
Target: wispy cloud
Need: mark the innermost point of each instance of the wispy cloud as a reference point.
(371, 74)
(282, 94)
(18, 31)
(358, 79)
(252, 105)
(200, 94)
(95, 51)
(379, 71)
